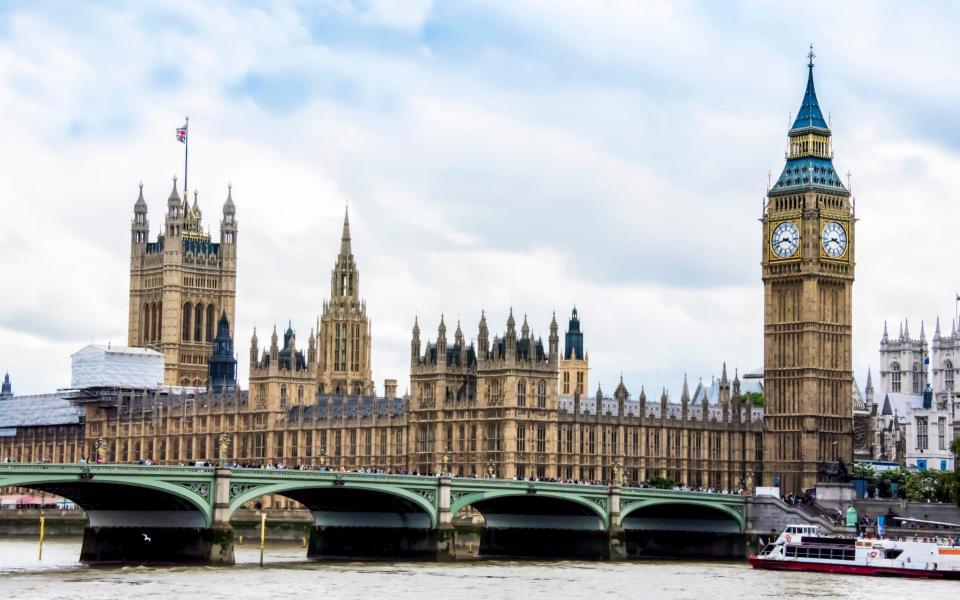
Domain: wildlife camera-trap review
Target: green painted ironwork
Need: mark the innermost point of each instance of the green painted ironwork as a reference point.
(198, 486)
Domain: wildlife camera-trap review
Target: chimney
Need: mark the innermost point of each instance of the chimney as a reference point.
(389, 389)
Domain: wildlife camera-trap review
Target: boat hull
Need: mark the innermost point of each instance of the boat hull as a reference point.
(793, 565)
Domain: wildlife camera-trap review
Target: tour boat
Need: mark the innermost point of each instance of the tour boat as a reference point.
(802, 548)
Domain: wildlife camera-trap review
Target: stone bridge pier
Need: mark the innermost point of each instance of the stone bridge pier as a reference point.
(174, 534)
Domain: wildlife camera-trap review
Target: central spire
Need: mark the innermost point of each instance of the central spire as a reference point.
(810, 114)
(345, 249)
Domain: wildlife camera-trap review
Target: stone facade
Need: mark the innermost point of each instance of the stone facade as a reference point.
(180, 285)
(808, 270)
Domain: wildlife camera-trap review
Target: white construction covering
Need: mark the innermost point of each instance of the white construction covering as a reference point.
(116, 366)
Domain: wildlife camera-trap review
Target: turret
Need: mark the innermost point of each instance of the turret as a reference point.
(6, 389)
(415, 343)
(458, 340)
(312, 348)
(524, 329)
(174, 220)
(621, 395)
(573, 344)
(274, 346)
(442, 343)
(868, 392)
(223, 365)
(228, 225)
(724, 386)
(886, 338)
(510, 339)
(140, 227)
(483, 338)
(254, 351)
(554, 340)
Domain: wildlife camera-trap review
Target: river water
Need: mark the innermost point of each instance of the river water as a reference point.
(287, 574)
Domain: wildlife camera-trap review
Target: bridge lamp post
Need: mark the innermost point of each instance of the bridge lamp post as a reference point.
(445, 470)
(223, 442)
(323, 460)
(617, 472)
(98, 447)
(491, 468)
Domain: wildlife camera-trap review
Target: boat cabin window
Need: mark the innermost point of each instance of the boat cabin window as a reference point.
(892, 553)
(820, 553)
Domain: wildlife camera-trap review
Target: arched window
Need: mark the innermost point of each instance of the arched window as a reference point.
(427, 392)
(895, 378)
(261, 393)
(541, 394)
(356, 389)
(522, 392)
(147, 315)
(300, 394)
(948, 376)
(916, 378)
(187, 313)
(198, 323)
(209, 324)
(283, 395)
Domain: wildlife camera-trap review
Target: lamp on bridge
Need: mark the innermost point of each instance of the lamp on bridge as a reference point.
(446, 462)
(223, 442)
(618, 473)
(323, 459)
(491, 468)
(98, 447)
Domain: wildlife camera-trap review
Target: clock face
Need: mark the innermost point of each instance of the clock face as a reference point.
(834, 239)
(785, 239)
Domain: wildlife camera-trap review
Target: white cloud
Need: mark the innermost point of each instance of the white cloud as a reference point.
(612, 157)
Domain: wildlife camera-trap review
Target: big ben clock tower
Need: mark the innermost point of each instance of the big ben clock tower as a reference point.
(808, 262)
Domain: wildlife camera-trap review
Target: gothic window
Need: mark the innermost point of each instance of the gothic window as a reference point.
(916, 378)
(521, 437)
(283, 395)
(580, 382)
(541, 439)
(541, 394)
(941, 431)
(300, 394)
(356, 389)
(895, 378)
(922, 443)
(197, 323)
(948, 376)
(187, 313)
(592, 441)
(522, 392)
(427, 393)
(209, 323)
(494, 392)
(566, 382)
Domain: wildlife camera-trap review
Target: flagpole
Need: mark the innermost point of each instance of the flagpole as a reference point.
(186, 153)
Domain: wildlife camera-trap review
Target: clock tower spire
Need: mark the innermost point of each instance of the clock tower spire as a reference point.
(808, 265)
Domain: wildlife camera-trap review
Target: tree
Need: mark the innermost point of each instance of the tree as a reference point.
(753, 398)
(862, 471)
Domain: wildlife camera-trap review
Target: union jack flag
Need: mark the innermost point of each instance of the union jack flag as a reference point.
(182, 134)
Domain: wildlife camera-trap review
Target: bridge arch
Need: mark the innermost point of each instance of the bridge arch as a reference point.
(311, 495)
(574, 505)
(115, 494)
(688, 514)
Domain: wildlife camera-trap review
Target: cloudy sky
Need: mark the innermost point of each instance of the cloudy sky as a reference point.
(531, 153)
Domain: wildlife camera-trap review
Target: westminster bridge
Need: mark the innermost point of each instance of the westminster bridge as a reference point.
(182, 514)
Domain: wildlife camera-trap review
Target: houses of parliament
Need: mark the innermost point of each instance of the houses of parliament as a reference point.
(514, 403)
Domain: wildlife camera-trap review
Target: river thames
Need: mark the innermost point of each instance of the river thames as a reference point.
(286, 574)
